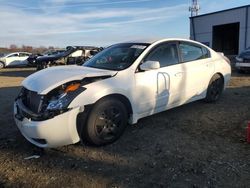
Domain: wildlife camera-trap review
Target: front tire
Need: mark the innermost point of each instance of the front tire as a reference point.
(215, 88)
(106, 122)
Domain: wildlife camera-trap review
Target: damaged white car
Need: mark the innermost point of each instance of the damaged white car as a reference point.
(123, 83)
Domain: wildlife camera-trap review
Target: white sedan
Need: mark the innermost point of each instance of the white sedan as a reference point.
(14, 59)
(122, 84)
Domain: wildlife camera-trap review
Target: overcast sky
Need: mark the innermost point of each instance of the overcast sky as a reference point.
(97, 22)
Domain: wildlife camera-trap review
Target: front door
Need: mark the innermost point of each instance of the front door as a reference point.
(156, 90)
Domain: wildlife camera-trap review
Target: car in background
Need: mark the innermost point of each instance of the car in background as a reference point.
(32, 58)
(243, 61)
(72, 55)
(14, 59)
(123, 83)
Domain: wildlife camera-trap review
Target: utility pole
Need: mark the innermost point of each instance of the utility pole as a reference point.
(194, 8)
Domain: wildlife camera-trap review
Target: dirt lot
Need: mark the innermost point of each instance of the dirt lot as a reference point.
(195, 145)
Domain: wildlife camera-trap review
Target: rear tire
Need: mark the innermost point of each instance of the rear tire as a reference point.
(106, 122)
(215, 88)
(2, 65)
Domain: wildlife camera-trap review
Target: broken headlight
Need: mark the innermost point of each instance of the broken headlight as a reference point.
(64, 97)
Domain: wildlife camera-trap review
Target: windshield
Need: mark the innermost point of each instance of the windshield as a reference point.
(117, 57)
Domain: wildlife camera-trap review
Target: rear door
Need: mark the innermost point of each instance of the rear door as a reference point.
(198, 67)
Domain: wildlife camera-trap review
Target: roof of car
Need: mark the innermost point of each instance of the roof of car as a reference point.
(83, 47)
(153, 40)
(18, 52)
(148, 41)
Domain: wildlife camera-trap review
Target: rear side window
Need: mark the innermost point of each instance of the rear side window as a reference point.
(190, 52)
(166, 54)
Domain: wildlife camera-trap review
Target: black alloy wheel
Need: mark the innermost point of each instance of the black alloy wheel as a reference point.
(215, 88)
(106, 122)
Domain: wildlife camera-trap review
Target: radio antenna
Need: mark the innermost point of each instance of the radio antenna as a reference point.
(194, 8)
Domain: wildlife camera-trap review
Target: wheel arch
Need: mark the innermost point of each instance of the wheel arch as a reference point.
(221, 75)
(4, 65)
(82, 117)
(121, 98)
(209, 96)
(217, 73)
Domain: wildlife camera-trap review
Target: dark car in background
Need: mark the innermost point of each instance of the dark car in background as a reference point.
(243, 61)
(72, 55)
(32, 58)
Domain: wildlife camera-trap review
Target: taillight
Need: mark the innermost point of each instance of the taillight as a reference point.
(224, 57)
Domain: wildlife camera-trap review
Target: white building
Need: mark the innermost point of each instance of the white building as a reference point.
(225, 31)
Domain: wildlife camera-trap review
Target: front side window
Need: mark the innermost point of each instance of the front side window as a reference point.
(166, 54)
(117, 57)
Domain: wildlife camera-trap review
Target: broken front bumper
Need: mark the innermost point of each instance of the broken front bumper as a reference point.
(58, 131)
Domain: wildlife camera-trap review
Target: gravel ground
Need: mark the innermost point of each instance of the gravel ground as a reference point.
(195, 145)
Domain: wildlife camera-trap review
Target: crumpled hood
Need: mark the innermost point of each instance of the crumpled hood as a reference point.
(46, 80)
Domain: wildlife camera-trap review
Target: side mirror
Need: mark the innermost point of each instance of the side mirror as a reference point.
(150, 65)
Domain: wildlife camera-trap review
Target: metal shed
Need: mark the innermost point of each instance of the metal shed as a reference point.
(226, 31)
